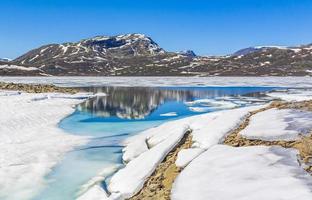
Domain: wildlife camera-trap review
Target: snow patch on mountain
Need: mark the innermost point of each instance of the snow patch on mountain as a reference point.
(16, 67)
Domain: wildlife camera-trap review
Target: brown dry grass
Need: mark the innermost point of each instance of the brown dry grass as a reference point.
(36, 88)
(304, 147)
(159, 184)
(306, 143)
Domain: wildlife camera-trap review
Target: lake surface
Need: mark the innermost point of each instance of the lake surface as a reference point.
(119, 112)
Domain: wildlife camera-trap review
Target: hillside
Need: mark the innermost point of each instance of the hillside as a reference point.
(139, 55)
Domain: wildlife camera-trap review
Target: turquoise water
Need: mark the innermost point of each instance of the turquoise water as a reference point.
(108, 120)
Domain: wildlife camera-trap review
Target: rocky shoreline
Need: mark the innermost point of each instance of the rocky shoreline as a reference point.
(159, 184)
(303, 145)
(36, 88)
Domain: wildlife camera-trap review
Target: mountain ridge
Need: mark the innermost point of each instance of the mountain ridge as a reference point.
(138, 55)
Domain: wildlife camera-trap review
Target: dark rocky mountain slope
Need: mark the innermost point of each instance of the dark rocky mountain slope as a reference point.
(139, 55)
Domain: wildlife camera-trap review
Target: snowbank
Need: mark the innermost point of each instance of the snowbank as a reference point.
(92, 189)
(210, 129)
(292, 95)
(145, 151)
(275, 124)
(185, 156)
(16, 67)
(30, 141)
(130, 179)
(252, 173)
(169, 114)
(165, 81)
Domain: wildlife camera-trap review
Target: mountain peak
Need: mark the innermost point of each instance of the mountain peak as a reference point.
(137, 54)
(188, 53)
(130, 36)
(138, 43)
(91, 51)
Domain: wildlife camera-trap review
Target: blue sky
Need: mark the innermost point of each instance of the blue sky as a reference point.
(209, 27)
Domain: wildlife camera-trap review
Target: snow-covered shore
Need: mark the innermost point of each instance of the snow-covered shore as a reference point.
(251, 173)
(292, 95)
(30, 141)
(265, 167)
(275, 124)
(31, 144)
(145, 151)
(79, 81)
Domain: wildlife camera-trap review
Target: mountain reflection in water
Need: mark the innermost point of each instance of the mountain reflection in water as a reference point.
(137, 103)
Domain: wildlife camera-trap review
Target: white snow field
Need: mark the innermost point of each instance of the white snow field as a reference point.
(30, 141)
(130, 179)
(31, 144)
(292, 95)
(244, 173)
(146, 150)
(165, 81)
(185, 156)
(275, 124)
(18, 67)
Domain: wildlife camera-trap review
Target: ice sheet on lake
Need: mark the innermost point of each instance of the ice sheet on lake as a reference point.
(169, 114)
(275, 124)
(292, 95)
(200, 109)
(246, 173)
(94, 193)
(212, 103)
(165, 81)
(30, 141)
(224, 103)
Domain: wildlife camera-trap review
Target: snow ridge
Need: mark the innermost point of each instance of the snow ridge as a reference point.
(30, 141)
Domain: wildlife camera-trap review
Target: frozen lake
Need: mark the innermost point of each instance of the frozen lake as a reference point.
(79, 81)
(120, 112)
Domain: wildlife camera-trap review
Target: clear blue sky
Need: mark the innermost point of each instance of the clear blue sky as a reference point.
(209, 27)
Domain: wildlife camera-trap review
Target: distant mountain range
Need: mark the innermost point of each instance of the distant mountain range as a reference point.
(139, 55)
(5, 60)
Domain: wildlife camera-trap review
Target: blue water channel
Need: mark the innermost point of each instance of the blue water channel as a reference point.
(122, 112)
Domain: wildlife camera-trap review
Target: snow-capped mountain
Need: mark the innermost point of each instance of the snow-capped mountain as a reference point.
(95, 49)
(139, 55)
(273, 60)
(99, 54)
